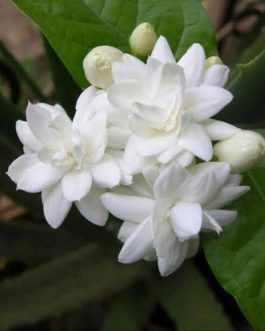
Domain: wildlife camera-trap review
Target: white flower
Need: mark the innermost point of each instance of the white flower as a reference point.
(65, 160)
(98, 65)
(165, 224)
(169, 105)
(242, 151)
(143, 39)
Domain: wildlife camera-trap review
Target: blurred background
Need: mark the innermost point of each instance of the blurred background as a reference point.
(238, 24)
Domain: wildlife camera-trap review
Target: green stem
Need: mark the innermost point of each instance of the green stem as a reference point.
(17, 67)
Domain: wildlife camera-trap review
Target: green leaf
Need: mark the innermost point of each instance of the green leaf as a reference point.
(237, 257)
(34, 243)
(247, 87)
(190, 302)
(130, 310)
(62, 285)
(75, 27)
(67, 92)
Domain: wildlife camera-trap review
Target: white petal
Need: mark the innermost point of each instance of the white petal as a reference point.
(172, 261)
(134, 162)
(223, 217)
(195, 140)
(139, 243)
(126, 177)
(218, 130)
(220, 170)
(150, 175)
(209, 223)
(170, 153)
(117, 137)
(26, 136)
(193, 64)
(92, 209)
(155, 146)
(126, 230)
(39, 119)
(55, 206)
(123, 94)
(150, 113)
(234, 180)
(106, 173)
(76, 184)
(31, 175)
(162, 51)
(216, 75)
(169, 180)
(206, 101)
(185, 159)
(199, 189)
(127, 207)
(186, 219)
(83, 106)
(130, 68)
(19, 166)
(227, 195)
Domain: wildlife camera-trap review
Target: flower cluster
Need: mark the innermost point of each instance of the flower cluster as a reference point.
(140, 146)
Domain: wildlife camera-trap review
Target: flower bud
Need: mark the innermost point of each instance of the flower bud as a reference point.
(143, 39)
(212, 60)
(242, 151)
(98, 65)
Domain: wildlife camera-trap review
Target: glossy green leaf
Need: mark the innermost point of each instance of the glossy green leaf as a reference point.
(62, 285)
(190, 302)
(247, 87)
(237, 257)
(66, 90)
(34, 243)
(75, 27)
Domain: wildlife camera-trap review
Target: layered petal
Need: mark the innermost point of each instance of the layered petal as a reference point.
(91, 207)
(31, 175)
(26, 137)
(106, 173)
(76, 184)
(55, 205)
(216, 75)
(167, 183)
(218, 130)
(206, 101)
(138, 244)
(128, 208)
(162, 51)
(186, 220)
(193, 64)
(195, 140)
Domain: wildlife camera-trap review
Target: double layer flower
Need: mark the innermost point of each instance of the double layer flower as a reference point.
(65, 160)
(164, 216)
(169, 105)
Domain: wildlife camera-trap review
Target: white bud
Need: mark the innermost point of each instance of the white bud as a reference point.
(212, 60)
(242, 151)
(143, 39)
(98, 65)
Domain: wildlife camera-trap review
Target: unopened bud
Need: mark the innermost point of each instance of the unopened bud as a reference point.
(212, 60)
(98, 65)
(242, 151)
(143, 39)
